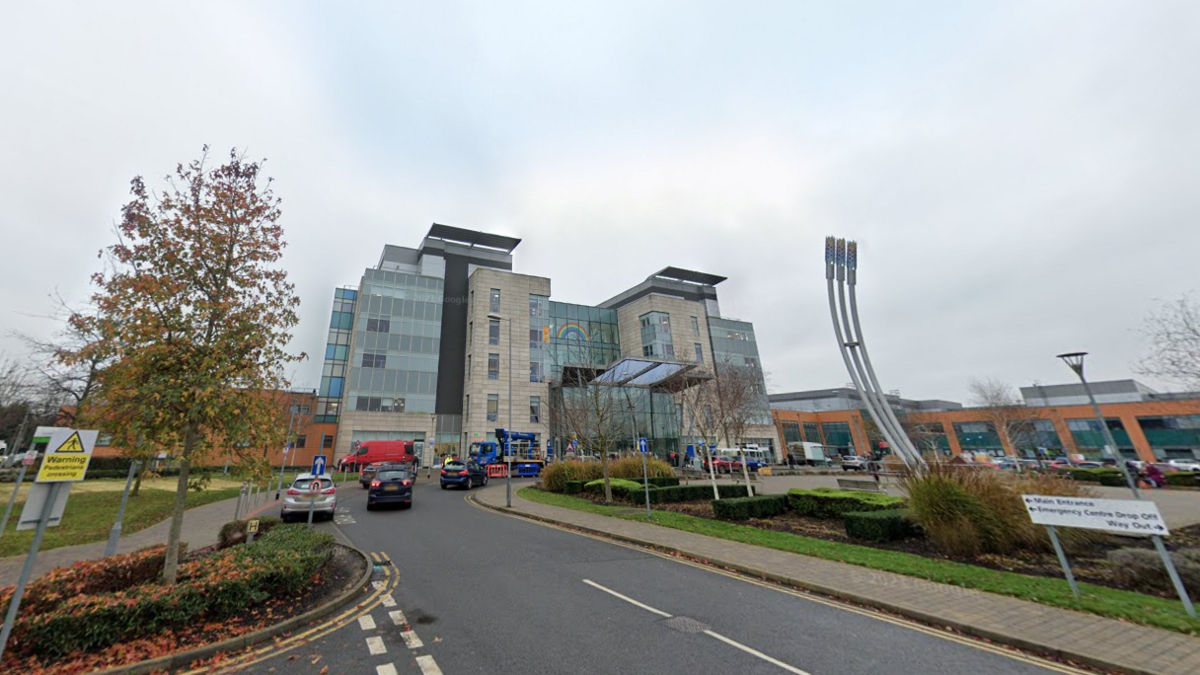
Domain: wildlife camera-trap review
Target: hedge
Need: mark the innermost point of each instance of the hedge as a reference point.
(831, 503)
(1108, 477)
(758, 506)
(573, 487)
(1183, 479)
(217, 587)
(693, 493)
(886, 525)
(661, 481)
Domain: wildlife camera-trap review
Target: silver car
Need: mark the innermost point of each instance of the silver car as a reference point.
(309, 492)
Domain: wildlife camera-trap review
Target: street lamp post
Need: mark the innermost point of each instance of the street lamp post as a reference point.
(508, 440)
(1075, 361)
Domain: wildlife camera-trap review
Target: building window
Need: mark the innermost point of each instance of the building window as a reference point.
(493, 366)
(695, 326)
(326, 441)
(470, 333)
(467, 409)
(699, 352)
(494, 300)
(468, 366)
(379, 325)
(297, 409)
(373, 360)
(493, 409)
(535, 338)
(656, 335)
(471, 303)
(535, 371)
(300, 441)
(493, 331)
(535, 409)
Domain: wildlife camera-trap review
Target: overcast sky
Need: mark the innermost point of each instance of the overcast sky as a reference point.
(1021, 176)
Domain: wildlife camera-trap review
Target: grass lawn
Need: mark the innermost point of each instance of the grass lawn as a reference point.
(1101, 600)
(90, 515)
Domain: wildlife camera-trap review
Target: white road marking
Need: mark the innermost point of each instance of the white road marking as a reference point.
(366, 622)
(755, 652)
(388, 600)
(411, 640)
(386, 669)
(378, 584)
(626, 598)
(398, 617)
(428, 665)
(375, 645)
(712, 634)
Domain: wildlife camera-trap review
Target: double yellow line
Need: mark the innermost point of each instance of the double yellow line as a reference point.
(320, 630)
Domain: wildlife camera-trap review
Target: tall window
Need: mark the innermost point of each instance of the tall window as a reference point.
(493, 331)
(468, 366)
(656, 335)
(470, 332)
(535, 409)
(695, 326)
(493, 409)
(493, 366)
(494, 301)
(326, 440)
(467, 409)
(535, 372)
(699, 352)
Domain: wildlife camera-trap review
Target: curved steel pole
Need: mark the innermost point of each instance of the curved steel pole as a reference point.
(852, 279)
(830, 269)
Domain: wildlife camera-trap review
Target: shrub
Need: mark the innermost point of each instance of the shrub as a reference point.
(556, 474)
(631, 467)
(572, 487)
(214, 588)
(758, 506)
(1143, 569)
(88, 577)
(621, 488)
(887, 525)
(695, 492)
(831, 503)
(234, 532)
(662, 481)
(967, 511)
(1183, 479)
(1107, 477)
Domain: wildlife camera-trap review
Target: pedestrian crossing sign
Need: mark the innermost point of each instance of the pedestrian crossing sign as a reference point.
(67, 455)
(72, 444)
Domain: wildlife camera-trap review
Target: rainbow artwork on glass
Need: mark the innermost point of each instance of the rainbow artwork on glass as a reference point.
(572, 331)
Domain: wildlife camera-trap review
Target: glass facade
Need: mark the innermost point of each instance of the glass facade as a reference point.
(733, 344)
(337, 356)
(812, 433)
(1089, 437)
(930, 437)
(580, 335)
(396, 342)
(656, 335)
(837, 435)
(539, 337)
(791, 432)
(1046, 436)
(1176, 437)
(978, 437)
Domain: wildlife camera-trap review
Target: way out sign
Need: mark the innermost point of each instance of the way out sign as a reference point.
(1119, 516)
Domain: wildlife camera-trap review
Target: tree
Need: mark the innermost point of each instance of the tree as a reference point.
(67, 366)
(196, 314)
(724, 407)
(1000, 405)
(1173, 330)
(699, 411)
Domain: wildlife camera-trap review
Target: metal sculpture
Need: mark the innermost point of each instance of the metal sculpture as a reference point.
(841, 264)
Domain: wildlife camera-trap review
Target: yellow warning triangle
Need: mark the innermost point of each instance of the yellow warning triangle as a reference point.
(72, 444)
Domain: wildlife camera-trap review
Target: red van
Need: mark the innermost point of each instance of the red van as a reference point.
(370, 452)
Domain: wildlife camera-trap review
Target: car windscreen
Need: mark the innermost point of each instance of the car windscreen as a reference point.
(454, 466)
(392, 475)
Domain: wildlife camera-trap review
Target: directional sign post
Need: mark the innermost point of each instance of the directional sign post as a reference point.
(644, 449)
(318, 465)
(1120, 516)
(68, 453)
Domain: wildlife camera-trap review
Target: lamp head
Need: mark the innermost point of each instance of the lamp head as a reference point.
(1074, 360)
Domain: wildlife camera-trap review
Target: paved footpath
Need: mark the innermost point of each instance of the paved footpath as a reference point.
(200, 528)
(1077, 636)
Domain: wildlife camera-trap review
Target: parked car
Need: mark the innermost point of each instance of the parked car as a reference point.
(726, 465)
(373, 452)
(391, 485)
(1184, 464)
(1007, 463)
(1089, 465)
(854, 463)
(299, 498)
(463, 474)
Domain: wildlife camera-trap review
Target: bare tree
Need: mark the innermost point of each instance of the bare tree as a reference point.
(1000, 405)
(67, 366)
(1173, 330)
(700, 412)
(594, 415)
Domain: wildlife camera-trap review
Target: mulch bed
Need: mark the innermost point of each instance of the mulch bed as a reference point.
(344, 570)
(1088, 564)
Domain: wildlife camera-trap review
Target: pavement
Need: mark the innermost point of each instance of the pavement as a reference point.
(1080, 637)
(200, 528)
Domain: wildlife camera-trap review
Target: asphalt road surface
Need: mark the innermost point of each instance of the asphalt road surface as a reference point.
(481, 592)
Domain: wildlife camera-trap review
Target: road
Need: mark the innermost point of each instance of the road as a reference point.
(488, 593)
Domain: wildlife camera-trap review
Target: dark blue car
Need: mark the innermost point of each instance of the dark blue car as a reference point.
(390, 486)
(463, 474)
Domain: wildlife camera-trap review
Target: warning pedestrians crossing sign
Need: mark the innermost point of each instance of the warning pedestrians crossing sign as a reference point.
(67, 455)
